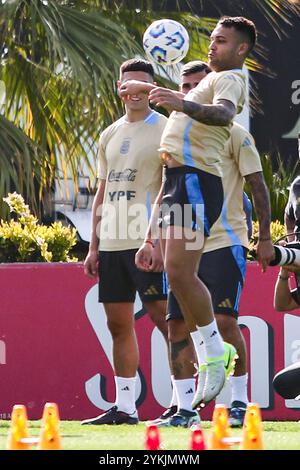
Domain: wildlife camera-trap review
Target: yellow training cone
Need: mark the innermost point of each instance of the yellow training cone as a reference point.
(50, 433)
(252, 429)
(18, 430)
(220, 429)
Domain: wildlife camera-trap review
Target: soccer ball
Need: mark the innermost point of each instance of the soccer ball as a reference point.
(166, 42)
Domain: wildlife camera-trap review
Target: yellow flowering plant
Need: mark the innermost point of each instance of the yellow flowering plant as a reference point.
(277, 229)
(23, 239)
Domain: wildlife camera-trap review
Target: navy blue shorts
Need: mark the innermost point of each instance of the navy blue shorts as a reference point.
(120, 279)
(192, 198)
(223, 273)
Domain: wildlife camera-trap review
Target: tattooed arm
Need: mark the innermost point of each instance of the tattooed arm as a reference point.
(265, 250)
(219, 114)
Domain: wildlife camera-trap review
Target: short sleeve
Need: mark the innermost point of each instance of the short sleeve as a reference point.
(231, 88)
(245, 152)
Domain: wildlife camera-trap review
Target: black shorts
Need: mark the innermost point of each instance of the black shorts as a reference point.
(223, 273)
(119, 279)
(191, 198)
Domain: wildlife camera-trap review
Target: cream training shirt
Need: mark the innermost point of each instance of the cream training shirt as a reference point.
(199, 145)
(240, 158)
(129, 162)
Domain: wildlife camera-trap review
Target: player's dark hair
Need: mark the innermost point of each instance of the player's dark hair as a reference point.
(194, 66)
(137, 65)
(243, 26)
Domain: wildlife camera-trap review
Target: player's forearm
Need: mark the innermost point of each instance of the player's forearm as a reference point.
(261, 201)
(210, 114)
(283, 299)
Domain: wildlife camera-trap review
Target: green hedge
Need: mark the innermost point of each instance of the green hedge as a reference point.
(23, 239)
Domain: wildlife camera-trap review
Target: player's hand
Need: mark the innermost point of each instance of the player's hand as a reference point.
(265, 253)
(157, 264)
(169, 99)
(143, 257)
(133, 87)
(91, 264)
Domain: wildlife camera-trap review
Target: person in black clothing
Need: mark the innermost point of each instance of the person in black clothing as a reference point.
(292, 210)
(286, 298)
(287, 381)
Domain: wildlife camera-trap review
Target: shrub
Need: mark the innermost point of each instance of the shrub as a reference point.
(277, 231)
(23, 239)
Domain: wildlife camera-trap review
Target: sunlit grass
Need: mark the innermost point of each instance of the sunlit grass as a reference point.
(276, 436)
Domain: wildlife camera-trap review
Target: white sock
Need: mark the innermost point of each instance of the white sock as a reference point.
(199, 346)
(174, 400)
(125, 394)
(207, 342)
(185, 389)
(213, 342)
(239, 390)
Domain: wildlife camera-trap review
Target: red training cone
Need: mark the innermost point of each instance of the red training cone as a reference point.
(152, 441)
(197, 441)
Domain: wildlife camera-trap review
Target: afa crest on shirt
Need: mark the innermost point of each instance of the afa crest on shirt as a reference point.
(124, 149)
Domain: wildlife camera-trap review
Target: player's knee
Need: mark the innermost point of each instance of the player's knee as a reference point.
(173, 274)
(178, 280)
(118, 329)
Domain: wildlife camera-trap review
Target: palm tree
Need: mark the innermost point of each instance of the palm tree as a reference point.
(58, 64)
(59, 61)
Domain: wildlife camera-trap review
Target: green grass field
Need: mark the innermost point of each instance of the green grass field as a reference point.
(276, 436)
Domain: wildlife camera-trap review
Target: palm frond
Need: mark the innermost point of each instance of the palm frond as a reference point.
(20, 162)
(278, 12)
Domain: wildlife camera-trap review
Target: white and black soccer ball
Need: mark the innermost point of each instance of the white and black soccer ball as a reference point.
(166, 42)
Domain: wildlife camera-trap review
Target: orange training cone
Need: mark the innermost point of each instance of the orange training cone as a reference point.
(18, 429)
(197, 439)
(252, 429)
(50, 434)
(220, 429)
(152, 441)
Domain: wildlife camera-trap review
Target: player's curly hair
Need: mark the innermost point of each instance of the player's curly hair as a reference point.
(244, 26)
